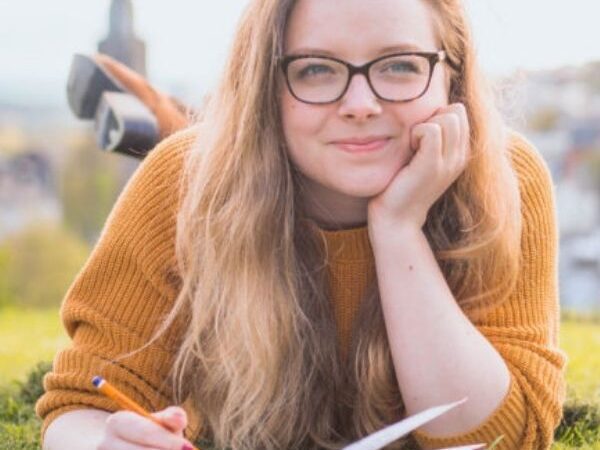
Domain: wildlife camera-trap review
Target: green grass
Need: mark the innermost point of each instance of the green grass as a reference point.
(27, 336)
(581, 341)
(30, 336)
(19, 426)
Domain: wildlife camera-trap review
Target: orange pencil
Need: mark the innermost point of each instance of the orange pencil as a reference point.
(125, 402)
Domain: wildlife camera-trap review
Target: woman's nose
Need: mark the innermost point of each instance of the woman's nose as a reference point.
(359, 102)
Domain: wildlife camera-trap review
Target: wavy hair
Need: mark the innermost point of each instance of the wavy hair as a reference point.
(258, 353)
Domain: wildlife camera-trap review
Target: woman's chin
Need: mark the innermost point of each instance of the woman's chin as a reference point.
(364, 190)
(369, 183)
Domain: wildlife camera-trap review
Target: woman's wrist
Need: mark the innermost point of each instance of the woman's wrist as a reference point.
(386, 232)
(78, 429)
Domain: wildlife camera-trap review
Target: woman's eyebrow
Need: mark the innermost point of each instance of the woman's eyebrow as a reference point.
(405, 47)
(408, 47)
(311, 51)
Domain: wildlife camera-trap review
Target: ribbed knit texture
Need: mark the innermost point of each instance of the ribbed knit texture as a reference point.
(127, 285)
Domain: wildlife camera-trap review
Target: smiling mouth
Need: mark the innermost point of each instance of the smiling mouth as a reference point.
(362, 145)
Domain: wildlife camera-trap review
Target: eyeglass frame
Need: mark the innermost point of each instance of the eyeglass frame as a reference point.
(432, 57)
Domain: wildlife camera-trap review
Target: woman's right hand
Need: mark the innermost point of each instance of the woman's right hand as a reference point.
(126, 430)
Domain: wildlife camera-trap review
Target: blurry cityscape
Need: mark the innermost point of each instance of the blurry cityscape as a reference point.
(560, 113)
(56, 188)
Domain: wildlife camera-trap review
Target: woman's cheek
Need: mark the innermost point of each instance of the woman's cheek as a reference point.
(422, 109)
(419, 113)
(292, 114)
(304, 125)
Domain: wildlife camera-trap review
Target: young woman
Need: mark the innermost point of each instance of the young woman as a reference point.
(348, 235)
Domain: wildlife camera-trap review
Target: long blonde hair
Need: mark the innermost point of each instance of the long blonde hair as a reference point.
(258, 352)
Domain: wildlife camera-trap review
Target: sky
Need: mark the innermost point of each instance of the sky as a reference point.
(188, 39)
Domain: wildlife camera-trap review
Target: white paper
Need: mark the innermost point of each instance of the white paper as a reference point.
(466, 447)
(389, 434)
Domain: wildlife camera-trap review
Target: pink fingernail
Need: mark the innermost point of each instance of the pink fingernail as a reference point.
(187, 447)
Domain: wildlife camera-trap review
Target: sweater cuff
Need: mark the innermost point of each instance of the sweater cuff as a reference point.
(507, 420)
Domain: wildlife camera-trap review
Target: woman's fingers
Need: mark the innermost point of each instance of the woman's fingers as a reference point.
(465, 132)
(132, 428)
(122, 445)
(455, 148)
(465, 140)
(174, 417)
(427, 138)
(451, 133)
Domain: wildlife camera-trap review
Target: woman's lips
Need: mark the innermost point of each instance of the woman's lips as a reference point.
(362, 145)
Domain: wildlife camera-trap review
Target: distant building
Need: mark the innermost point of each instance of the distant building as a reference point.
(579, 275)
(121, 42)
(27, 193)
(571, 96)
(585, 133)
(553, 146)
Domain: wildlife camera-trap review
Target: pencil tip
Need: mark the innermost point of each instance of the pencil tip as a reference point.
(96, 381)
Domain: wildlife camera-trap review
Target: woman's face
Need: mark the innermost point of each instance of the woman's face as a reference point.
(356, 31)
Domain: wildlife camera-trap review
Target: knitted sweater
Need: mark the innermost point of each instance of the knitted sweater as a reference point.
(128, 282)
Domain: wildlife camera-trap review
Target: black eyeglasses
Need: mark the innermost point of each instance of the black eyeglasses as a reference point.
(400, 77)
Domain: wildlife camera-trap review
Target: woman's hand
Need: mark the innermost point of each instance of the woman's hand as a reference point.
(126, 430)
(442, 148)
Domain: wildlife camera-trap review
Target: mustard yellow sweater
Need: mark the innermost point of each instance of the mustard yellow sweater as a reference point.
(127, 283)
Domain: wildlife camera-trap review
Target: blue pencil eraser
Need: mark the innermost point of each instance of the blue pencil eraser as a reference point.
(97, 380)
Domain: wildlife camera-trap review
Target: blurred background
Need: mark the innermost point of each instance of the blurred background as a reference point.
(57, 188)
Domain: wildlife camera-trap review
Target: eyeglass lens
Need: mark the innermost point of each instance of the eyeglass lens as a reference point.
(321, 80)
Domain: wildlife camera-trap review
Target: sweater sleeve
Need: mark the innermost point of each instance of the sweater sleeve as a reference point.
(118, 298)
(524, 329)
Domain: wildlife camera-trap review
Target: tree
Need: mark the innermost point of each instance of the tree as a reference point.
(39, 264)
(544, 119)
(91, 181)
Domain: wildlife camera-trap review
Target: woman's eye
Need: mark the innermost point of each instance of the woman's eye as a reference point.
(401, 67)
(315, 70)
